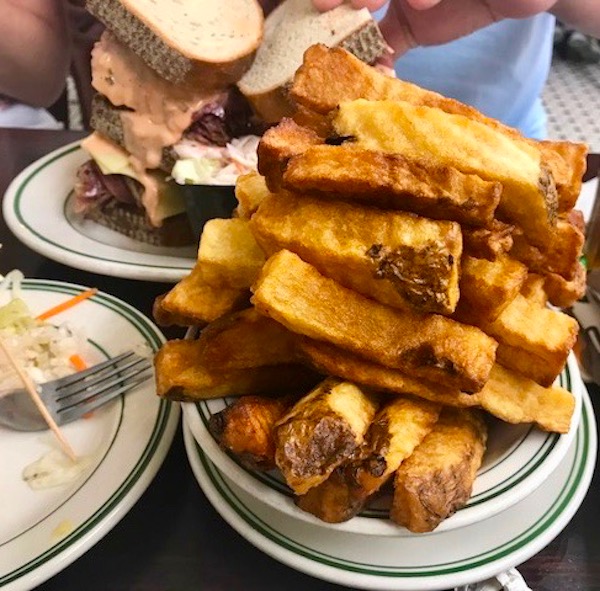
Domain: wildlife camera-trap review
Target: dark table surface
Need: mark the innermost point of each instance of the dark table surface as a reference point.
(173, 539)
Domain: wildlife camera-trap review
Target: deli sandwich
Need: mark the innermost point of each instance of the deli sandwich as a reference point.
(184, 88)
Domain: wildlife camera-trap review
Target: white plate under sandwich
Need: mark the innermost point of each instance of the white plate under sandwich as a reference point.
(36, 209)
(123, 443)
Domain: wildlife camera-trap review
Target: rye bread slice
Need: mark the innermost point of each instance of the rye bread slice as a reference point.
(182, 39)
(131, 221)
(292, 28)
(106, 119)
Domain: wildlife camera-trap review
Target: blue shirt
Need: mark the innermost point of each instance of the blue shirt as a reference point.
(501, 70)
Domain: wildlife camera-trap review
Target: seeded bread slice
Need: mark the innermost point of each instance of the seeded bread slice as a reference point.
(290, 30)
(132, 221)
(106, 119)
(182, 39)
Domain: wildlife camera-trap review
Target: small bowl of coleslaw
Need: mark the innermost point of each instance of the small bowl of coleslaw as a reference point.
(207, 175)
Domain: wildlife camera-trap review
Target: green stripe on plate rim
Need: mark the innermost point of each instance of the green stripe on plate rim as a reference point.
(164, 410)
(548, 444)
(19, 215)
(542, 524)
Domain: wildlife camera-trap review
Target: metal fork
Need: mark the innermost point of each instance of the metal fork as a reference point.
(69, 398)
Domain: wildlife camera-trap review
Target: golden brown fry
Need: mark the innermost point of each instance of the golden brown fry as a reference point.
(487, 287)
(507, 395)
(330, 76)
(560, 256)
(250, 190)
(533, 290)
(164, 318)
(246, 339)
(544, 332)
(228, 253)
(278, 144)
(563, 293)
(182, 375)
(488, 243)
(517, 399)
(437, 479)
(245, 429)
(194, 302)
(393, 257)
(526, 363)
(418, 132)
(331, 360)
(321, 431)
(429, 346)
(350, 173)
(393, 181)
(397, 429)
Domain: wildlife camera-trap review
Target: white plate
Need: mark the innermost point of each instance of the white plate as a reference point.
(413, 561)
(43, 531)
(35, 209)
(518, 459)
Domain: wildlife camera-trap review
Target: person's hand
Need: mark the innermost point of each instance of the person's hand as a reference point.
(409, 23)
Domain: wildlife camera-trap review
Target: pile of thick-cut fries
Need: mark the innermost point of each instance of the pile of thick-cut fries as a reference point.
(382, 293)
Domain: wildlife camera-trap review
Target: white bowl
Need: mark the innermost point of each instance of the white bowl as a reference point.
(518, 459)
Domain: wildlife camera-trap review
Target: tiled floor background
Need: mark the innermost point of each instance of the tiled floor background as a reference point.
(572, 98)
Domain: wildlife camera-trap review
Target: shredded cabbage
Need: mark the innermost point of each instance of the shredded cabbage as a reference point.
(199, 164)
(42, 349)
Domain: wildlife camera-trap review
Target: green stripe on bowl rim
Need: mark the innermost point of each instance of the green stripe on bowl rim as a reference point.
(562, 500)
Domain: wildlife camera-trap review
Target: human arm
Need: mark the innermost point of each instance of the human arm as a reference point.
(34, 50)
(409, 23)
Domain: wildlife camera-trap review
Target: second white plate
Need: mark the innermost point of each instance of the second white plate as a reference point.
(35, 209)
(43, 531)
(413, 562)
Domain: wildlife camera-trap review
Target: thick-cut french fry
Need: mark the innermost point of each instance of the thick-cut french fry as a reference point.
(229, 254)
(280, 143)
(245, 429)
(321, 431)
(250, 190)
(526, 363)
(560, 256)
(330, 76)
(534, 291)
(392, 181)
(331, 360)
(488, 243)
(428, 346)
(246, 339)
(437, 479)
(507, 395)
(488, 287)
(397, 429)
(517, 399)
(417, 132)
(194, 302)
(547, 333)
(182, 375)
(563, 293)
(393, 257)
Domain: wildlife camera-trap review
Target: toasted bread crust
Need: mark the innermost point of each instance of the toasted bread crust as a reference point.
(170, 63)
(366, 43)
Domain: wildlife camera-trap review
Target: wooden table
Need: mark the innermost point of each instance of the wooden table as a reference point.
(173, 539)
